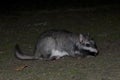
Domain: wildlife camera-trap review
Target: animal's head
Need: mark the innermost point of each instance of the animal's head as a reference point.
(87, 45)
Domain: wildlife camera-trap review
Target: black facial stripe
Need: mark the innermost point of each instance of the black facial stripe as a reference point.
(87, 52)
(88, 45)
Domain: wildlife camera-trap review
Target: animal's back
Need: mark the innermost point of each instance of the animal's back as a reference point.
(55, 40)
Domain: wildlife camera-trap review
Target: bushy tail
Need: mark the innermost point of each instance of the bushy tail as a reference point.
(20, 55)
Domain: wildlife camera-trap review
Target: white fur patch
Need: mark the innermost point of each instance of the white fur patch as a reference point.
(58, 53)
(91, 49)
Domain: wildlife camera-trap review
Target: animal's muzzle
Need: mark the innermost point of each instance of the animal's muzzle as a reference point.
(97, 53)
(94, 53)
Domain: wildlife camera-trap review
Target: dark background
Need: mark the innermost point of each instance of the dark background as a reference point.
(52, 4)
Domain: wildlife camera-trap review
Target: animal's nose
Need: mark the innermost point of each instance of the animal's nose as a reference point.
(97, 53)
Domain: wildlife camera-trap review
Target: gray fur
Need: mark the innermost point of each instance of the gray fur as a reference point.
(53, 44)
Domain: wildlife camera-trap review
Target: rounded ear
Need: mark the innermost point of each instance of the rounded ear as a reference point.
(81, 38)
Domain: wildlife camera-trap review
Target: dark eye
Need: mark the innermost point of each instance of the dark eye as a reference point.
(88, 45)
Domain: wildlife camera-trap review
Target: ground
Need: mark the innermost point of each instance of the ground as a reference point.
(24, 27)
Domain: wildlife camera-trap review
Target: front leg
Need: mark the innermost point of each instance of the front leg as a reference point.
(56, 54)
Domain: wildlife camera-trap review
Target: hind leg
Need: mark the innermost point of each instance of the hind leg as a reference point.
(44, 48)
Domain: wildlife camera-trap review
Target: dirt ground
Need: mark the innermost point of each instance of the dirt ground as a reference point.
(24, 27)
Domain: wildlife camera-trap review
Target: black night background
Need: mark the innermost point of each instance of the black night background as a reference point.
(22, 22)
(53, 4)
